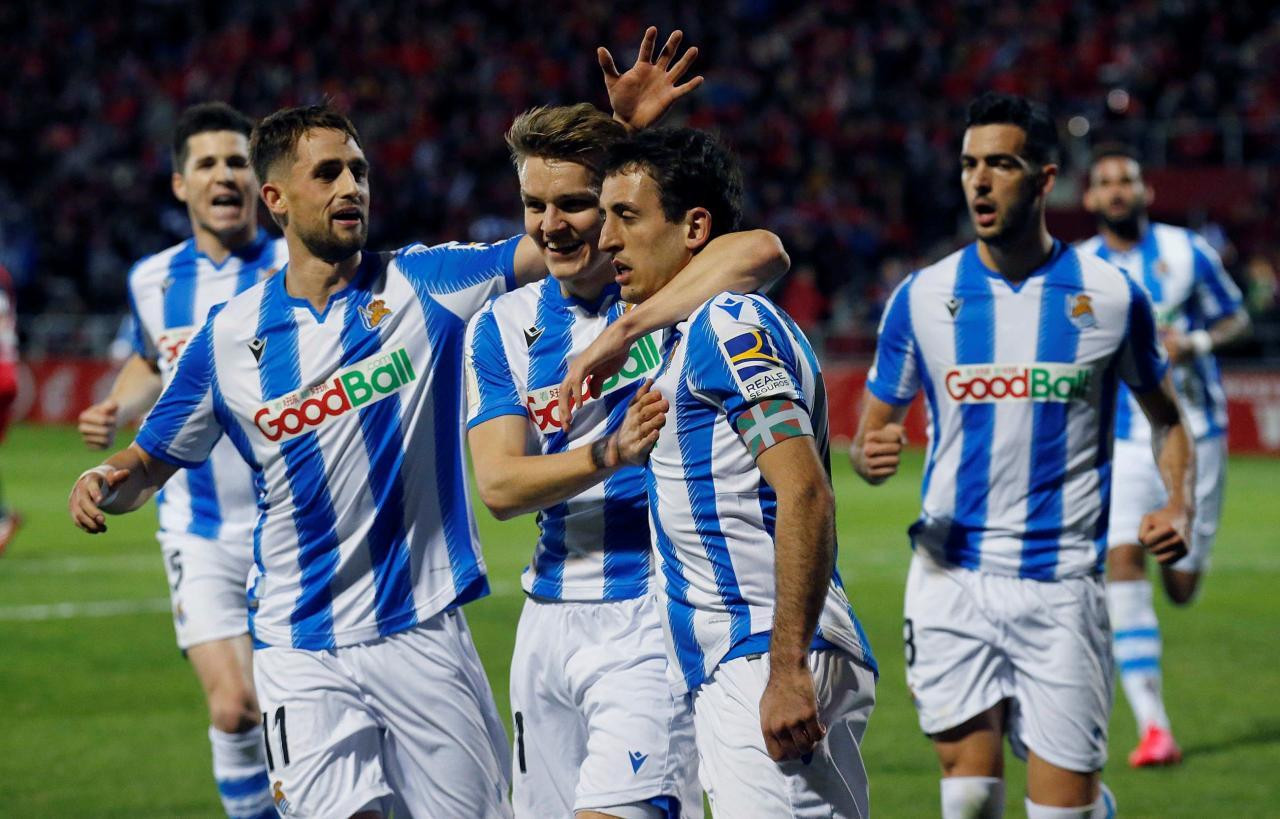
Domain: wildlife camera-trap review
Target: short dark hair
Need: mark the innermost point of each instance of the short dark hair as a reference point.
(276, 136)
(1107, 150)
(691, 168)
(1033, 118)
(203, 118)
(578, 133)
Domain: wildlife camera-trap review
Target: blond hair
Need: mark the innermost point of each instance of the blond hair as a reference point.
(578, 133)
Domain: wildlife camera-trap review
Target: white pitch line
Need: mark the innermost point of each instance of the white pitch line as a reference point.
(103, 564)
(76, 611)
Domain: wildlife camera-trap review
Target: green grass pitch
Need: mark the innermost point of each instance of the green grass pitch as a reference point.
(100, 716)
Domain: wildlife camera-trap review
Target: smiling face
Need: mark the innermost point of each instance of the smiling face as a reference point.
(322, 196)
(1003, 188)
(648, 251)
(562, 216)
(218, 186)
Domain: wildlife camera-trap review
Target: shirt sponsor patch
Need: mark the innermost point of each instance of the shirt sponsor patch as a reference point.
(756, 365)
(1038, 381)
(542, 403)
(171, 342)
(363, 383)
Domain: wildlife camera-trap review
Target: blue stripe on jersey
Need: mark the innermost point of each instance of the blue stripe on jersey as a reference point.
(696, 441)
(384, 444)
(1206, 272)
(1124, 412)
(446, 333)
(180, 287)
(1058, 341)
(497, 394)
(1150, 252)
(311, 621)
(193, 381)
(206, 513)
(689, 654)
(626, 517)
(975, 331)
(931, 397)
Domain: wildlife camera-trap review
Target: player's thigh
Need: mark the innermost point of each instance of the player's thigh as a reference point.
(549, 729)
(323, 743)
(206, 587)
(1060, 647)
(955, 668)
(1136, 489)
(639, 735)
(1211, 481)
(740, 777)
(225, 670)
(446, 750)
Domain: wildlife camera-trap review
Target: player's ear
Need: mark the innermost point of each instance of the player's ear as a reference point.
(1088, 199)
(698, 232)
(274, 199)
(1048, 177)
(178, 183)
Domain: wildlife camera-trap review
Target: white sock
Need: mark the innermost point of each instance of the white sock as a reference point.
(1104, 807)
(240, 769)
(972, 797)
(1137, 650)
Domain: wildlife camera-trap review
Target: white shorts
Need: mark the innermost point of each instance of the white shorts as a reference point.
(740, 777)
(596, 722)
(975, 639)
(207, 586)
(405, 723)
(1136, 489)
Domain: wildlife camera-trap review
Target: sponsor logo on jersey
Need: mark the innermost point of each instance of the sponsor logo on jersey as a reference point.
(642, 360)
(1080, 311)
(363, 383)
(373, 315)
(992, 383)
(171, 342)
(756, 365)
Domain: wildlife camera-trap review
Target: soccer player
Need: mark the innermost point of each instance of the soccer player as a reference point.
(597, 729)
(207, 513)
(339, 381)
(758, 627)
(1019, 343)
(1198, 309)
(9, 519)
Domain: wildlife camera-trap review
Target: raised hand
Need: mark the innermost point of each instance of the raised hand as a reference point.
(641, 96)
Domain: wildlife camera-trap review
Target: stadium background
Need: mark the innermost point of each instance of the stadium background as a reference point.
(847, 117)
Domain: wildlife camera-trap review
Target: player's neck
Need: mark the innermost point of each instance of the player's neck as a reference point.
(1124, 239)
(314, 279)
(1018, 259)
(218, 247)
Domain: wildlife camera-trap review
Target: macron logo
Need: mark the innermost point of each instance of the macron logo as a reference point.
(637, 760)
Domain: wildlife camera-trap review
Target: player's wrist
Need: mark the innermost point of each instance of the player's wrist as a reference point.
(605, 453)
(102, 471)
(1200, 343)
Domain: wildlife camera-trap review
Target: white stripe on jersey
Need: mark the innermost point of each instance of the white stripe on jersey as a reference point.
(352, 422)
(1191, 290)
(170, 294)
(594, 546)
(1021, 386)
(713, 515)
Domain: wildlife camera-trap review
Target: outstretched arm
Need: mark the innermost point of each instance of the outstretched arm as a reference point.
(643, 95)
(737, 262)
(120, 484)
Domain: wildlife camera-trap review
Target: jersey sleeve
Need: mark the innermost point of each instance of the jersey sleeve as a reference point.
(1217, 295)
(461, 277)
(182, 427)
(740, 360)
(491, 388)
(1142, 361)
(894, 377)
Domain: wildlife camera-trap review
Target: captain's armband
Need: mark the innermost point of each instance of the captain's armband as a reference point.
(772, 421)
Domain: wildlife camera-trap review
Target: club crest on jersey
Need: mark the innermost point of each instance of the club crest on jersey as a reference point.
(756, 365)
(373, 315)
(277, 796)
(365, 382)
(1080, 311)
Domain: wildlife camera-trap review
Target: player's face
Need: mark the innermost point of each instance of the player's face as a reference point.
(1004, 189)
(217, 184)
(1116, 191)
(562, 216)
(326, 193)
(647, 249)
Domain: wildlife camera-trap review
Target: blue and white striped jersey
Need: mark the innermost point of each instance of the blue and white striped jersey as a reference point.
(594, 546)
(1021, 386)
(1191, 290)
(170, 294)
(351, 420)
(712, 512)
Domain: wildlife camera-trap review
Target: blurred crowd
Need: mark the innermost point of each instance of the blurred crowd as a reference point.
(846, 115)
